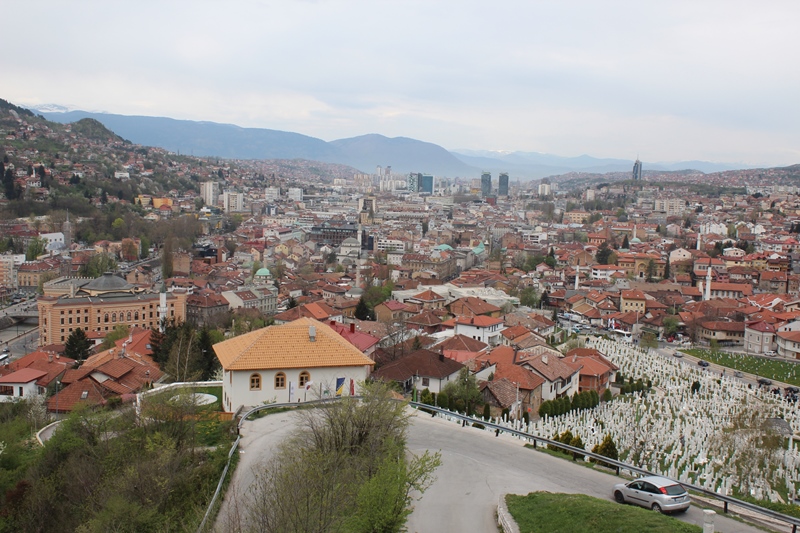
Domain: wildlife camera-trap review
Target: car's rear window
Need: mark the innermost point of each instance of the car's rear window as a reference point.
(674, 490)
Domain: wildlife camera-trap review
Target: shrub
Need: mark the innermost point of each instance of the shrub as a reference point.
(426, 397)
(606, 448)
(487, 411)
(576, 442)
(595, 398)
(607, 395)
(442, 400)
(546, 408)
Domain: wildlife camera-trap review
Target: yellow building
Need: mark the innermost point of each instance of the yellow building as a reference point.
(101, 304)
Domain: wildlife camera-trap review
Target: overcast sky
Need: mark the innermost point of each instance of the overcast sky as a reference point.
(672, 80)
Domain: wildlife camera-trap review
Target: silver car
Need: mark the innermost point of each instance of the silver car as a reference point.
(653, 492)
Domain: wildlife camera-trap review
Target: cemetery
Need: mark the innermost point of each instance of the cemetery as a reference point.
(693, 425)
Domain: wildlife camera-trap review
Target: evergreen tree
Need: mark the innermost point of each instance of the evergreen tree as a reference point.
(545, 298)
(666, 269)
(603, 254)
(205, 347)
(292, 303)
(362, 312)
(625, 244)
(78, 346)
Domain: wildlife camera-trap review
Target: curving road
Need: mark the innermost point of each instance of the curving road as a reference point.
(476, 469)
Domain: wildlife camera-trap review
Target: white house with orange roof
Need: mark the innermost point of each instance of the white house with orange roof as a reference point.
(295, 362)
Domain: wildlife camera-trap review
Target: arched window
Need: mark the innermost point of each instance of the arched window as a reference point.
(128, 317)
(106, 318)
(136, 315)
(255, 381)
(113, 317)
(305, 377)
(280, 380)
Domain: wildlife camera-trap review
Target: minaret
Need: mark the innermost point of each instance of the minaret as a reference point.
(707, 295)
(162, 309)
(699, 236)
(66, 229)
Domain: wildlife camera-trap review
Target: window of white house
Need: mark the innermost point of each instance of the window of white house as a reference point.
(280, 380)
(305, 377)
(255, 381)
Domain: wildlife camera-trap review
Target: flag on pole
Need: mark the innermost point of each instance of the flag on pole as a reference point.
(339, 386)
(352, 387)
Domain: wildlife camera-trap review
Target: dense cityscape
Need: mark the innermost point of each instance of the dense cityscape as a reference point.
(125, 268)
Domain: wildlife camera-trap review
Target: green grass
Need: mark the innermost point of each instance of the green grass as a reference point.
(769, 368)
(567, 513)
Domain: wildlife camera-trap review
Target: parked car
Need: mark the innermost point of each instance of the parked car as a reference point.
(653, 492)
(771, 353)
(737, 374)
(765, 382)
(702, 363)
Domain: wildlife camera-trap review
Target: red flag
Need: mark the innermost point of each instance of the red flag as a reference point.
(352, 387)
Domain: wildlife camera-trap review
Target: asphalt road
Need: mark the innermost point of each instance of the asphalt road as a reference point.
(477, 468)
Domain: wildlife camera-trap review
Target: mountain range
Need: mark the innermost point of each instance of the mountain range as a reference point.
(364, 152)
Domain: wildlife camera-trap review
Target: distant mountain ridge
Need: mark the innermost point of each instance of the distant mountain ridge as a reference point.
(364, 152)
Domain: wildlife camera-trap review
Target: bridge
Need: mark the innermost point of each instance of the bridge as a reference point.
(18, 313)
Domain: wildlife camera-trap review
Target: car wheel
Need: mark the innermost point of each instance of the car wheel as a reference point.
(619, 497)
(656, 508)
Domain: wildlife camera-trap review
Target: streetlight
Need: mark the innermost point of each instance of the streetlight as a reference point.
(58, 384)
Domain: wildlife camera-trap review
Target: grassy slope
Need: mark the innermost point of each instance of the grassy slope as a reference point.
(783, 371)
(567, 513)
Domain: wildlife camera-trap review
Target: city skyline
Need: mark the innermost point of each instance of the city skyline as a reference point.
(667, 81)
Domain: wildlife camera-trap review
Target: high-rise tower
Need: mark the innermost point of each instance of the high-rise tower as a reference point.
(486, 184)
(637, 170)
(502, 187)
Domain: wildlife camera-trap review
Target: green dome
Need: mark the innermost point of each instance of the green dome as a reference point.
(263, 273)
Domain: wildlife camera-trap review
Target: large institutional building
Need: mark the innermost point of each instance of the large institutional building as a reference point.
(100, 304)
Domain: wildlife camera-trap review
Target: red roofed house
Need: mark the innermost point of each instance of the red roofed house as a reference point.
(759, 337)
(724, 332)
(462, 348)
(390, 311)
(596, 372)
(472, 306)
(422, 369)
(789, 344)
(632, 300)
(428, 300)
(363, 341)
(482, 328)
(21, 384)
